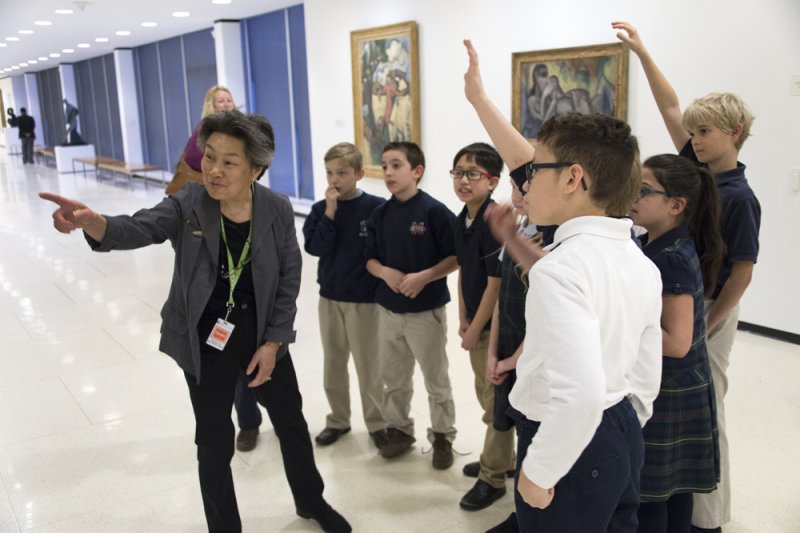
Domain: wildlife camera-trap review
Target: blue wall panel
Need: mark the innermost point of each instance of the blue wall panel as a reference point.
(201, 71)
(151, 106)
(302, 116)
(270, 90)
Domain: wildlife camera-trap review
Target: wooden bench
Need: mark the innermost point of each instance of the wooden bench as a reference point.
(46, 153)
(130, 170)
(94, 162)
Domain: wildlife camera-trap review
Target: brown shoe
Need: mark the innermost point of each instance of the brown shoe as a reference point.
(247, 439)
(396, 444)
(442, 452)
(379, 438)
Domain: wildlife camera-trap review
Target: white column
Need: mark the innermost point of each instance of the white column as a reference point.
(20, 95)
(230, 59)
(32, 93)
(128, 105)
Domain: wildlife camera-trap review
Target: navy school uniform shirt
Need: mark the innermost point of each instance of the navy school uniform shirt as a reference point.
(411, 236)
(339, 243)
(741, 217)
(675, 256)
(477, 252)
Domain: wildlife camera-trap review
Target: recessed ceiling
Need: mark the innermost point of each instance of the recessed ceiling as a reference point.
(93, 19)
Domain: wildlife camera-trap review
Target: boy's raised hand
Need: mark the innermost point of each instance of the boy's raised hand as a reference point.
(473, 84)
(630, 36)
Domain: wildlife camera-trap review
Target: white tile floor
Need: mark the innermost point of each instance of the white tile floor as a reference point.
(96, 429)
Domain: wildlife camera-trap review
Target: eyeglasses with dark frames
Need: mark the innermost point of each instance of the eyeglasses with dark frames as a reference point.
(472, 175)
(647, 191)
(532, 168)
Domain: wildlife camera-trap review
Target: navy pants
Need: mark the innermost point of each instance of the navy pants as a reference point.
(212, 400)
(601, 491)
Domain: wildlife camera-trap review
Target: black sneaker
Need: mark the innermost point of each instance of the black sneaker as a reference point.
(396, 444)
(442, 452)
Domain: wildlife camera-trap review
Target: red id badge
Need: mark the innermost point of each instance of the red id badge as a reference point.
(220, 334)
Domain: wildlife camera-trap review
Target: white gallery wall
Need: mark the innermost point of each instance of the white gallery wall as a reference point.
(750, 48)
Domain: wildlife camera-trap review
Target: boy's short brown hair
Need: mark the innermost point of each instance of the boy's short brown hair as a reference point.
(348, 152)
(607, 151)
(412, 151)
(723, 110)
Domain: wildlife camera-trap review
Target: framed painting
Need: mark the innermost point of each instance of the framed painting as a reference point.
(587, 79)
(385, 89)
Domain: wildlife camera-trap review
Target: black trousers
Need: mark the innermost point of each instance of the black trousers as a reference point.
(212, 400)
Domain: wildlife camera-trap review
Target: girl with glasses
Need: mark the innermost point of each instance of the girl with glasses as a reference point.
(678, 205)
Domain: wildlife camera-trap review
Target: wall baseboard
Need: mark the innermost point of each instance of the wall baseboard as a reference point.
(778, 334)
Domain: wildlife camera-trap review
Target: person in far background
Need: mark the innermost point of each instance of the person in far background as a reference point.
(217, 98)
(248, 415)
(26, 126)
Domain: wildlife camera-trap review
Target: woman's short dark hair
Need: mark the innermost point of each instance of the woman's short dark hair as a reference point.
(253, 129)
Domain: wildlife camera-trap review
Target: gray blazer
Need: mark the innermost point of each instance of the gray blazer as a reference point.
(190, 220)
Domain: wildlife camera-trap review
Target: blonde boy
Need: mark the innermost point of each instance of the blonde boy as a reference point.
(336, 232)
(711, 132)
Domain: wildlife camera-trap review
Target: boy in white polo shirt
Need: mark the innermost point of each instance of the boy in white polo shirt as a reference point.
(591, 365)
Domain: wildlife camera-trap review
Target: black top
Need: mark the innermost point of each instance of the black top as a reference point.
(741, 217)
(26, 125)
(411, 236)
(477, 252)
(339, 244)
(243, 315)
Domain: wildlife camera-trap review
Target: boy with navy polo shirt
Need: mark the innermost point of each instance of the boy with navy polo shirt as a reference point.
(410, 249)
(336, 232)
(476, 171)
(710, 132)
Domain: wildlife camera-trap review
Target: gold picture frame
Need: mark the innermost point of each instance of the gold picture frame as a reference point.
(385, 89)
(585, 79)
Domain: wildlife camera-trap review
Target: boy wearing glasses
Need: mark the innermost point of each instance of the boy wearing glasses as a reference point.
(476, 171)
(591, 364)
(410, 250)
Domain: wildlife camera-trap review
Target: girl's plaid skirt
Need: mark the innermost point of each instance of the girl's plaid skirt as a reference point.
(681, 439)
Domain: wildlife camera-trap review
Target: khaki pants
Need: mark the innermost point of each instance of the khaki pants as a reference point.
(497, 457)
(713, 510)
(405, 338)
(347, 327)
